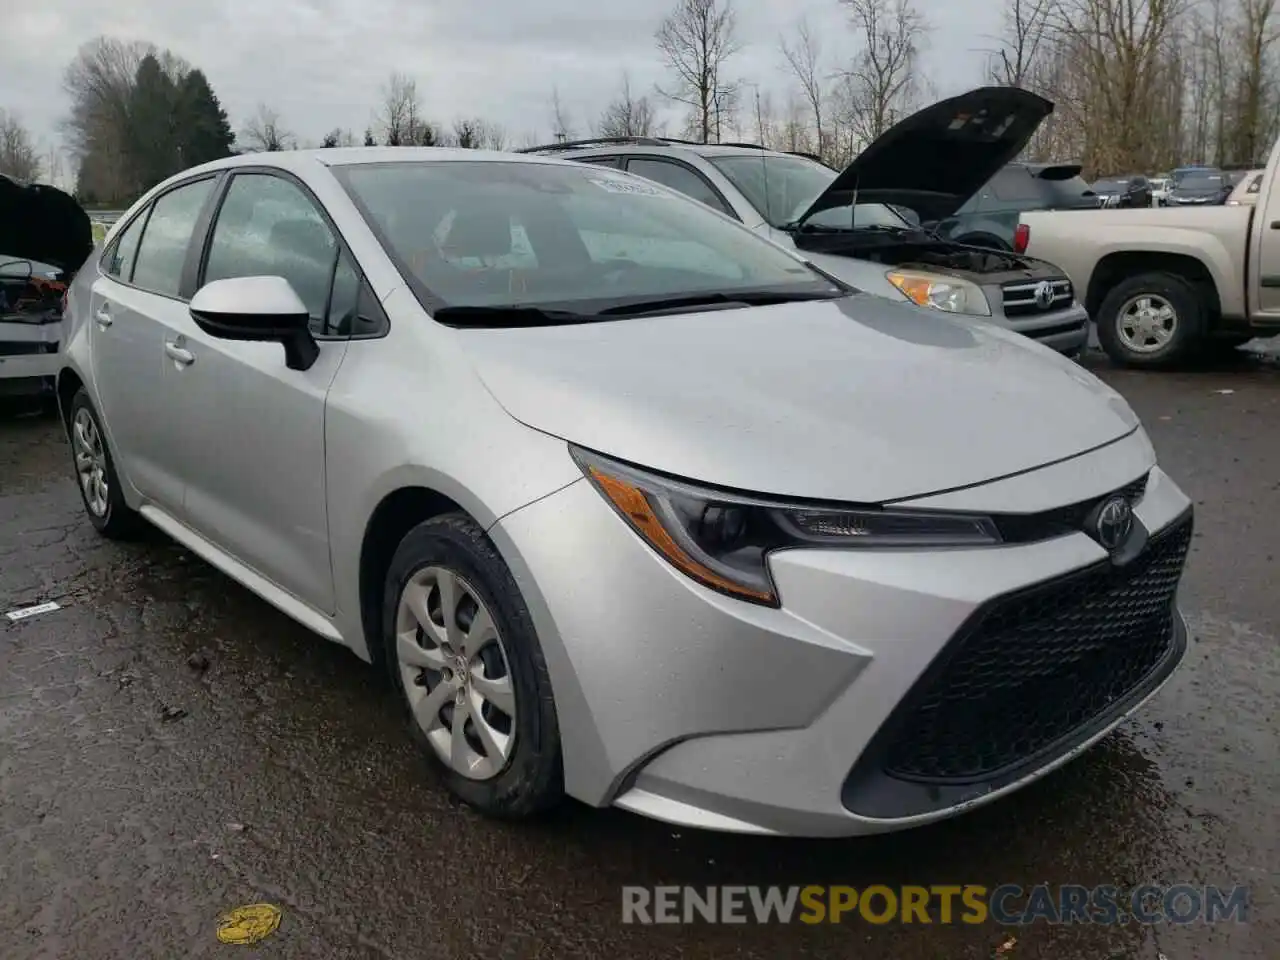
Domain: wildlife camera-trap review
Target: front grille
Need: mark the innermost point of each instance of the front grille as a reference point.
(1060, 521)
(1032, 670)
(1019, 298)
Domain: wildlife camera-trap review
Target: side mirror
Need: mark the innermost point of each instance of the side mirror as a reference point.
(257, 308)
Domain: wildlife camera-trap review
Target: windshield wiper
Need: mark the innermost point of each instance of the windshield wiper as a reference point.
(744, 298)
(509, 315)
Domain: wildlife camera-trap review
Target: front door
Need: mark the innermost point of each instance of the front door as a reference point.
(253, 450)
(132, 302)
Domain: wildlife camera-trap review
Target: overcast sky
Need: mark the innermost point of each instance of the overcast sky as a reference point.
(320, 63)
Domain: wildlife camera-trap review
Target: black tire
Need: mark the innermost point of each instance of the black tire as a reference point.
(533, 779)
(1189, 320)
(118, 522)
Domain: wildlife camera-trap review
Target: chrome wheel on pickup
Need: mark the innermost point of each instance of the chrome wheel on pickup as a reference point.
(1151, 320)
(1147, 323)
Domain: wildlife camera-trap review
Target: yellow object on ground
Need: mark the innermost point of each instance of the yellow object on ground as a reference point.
(248, 924)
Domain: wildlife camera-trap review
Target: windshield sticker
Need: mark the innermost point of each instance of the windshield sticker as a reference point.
(636, 189)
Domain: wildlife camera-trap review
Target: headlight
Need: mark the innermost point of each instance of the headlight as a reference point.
(942, 293)
(723, 540)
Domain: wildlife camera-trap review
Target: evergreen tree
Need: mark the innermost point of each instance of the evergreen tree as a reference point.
(368, 139)
(331, 138)
(152, 139)
(203, 130)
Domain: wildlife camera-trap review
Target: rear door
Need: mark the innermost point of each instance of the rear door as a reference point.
(134, 303)
(254, 458)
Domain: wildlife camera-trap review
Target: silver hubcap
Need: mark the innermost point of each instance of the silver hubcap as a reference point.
(91, 462)
(456, 674)
(1147, 323)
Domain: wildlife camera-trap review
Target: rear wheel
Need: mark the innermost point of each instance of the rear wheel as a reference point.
(467, 664)
(1151, 320)
(96, 473)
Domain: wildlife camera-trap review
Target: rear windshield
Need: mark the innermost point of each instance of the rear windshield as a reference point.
(1019, 188)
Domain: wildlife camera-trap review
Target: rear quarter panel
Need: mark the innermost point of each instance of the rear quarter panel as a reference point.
(1078, 240)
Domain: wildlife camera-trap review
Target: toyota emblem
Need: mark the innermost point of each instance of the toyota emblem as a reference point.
(1114, 522)
(1043, 294)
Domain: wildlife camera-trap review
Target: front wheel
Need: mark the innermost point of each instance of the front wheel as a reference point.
(466, 662)
(1151, 320)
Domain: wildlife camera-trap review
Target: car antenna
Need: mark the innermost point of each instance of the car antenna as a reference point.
(853, 207)
(764, 169)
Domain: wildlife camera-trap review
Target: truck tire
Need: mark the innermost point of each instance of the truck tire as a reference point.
(1152, 320)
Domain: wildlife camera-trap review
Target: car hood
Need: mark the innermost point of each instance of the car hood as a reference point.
(40, 222)
(857, 400)
(936, 159)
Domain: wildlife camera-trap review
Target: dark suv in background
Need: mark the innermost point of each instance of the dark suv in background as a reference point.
(990, 217)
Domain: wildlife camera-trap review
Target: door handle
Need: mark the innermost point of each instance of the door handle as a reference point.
(178, 354)
(103, 317)
(1275, 224)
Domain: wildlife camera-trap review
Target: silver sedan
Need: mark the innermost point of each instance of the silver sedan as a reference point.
(631, 504)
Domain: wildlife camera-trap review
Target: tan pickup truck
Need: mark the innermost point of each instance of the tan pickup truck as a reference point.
(1168, 284)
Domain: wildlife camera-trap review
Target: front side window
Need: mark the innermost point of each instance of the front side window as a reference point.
(781, 188)
(473, 233)
(268, 227)
(162, 254)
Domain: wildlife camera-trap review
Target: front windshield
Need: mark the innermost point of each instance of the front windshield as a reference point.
(492, 233)
(783, 187)
(1199, 181)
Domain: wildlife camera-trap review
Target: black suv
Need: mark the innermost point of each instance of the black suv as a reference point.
(990, 217)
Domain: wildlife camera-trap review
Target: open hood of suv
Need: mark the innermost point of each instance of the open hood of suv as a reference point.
(42, 223)
(936, 159)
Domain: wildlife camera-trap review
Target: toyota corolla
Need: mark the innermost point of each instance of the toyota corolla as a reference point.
(631, 504)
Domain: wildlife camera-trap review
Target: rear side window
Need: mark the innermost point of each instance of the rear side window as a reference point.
(1254, 185)
(118, 262)
(603, 161)
(167, 237)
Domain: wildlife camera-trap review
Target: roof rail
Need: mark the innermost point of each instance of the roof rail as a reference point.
(600, 142)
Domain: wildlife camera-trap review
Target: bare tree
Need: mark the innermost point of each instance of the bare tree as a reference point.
(561, 124)
(1256, 108)
(803, 56)
(627, 115)
(400, 113)
(696, 40)
(265, 133)
(1116, 76)
(1026, 22)
(18, 156)
(880, 88)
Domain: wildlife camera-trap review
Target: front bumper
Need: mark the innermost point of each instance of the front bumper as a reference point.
(1065, 329)
(29, 352)
(694, 708)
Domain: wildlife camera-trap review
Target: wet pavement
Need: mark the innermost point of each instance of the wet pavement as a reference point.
(171, 747)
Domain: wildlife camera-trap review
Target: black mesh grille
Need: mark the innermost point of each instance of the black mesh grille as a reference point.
(1034, 667)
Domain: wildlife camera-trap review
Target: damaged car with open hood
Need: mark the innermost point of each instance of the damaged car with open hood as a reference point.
(870, 224)
(45, 237)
